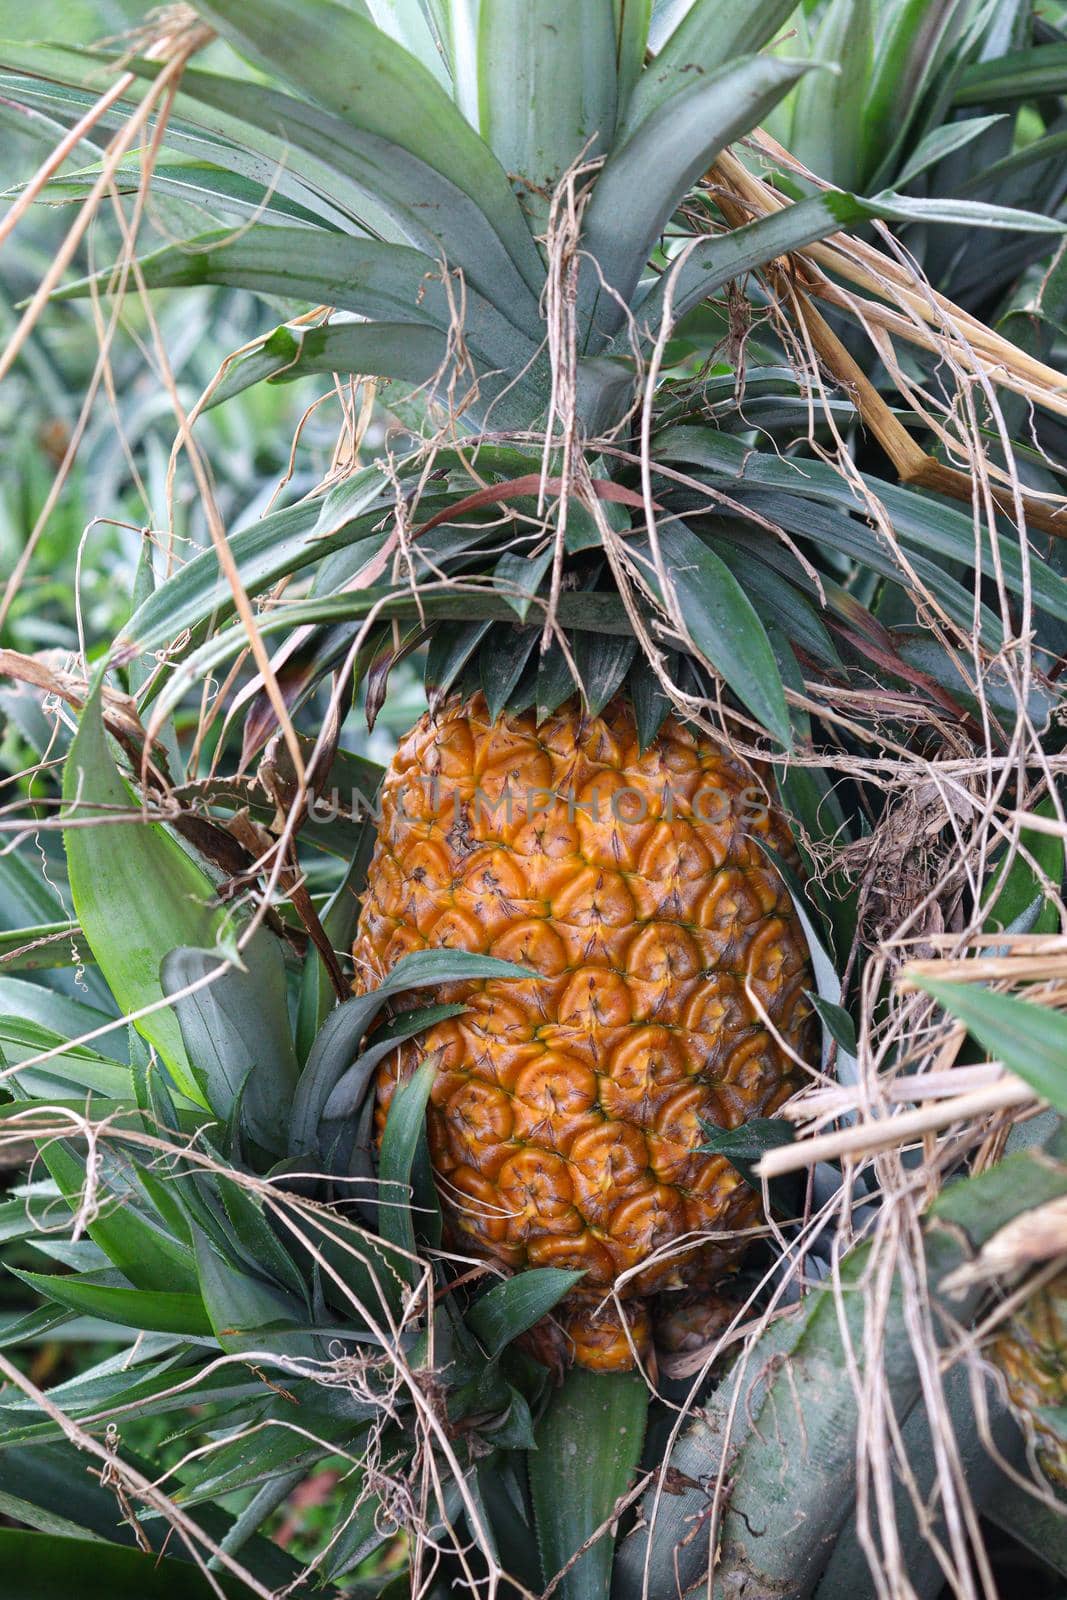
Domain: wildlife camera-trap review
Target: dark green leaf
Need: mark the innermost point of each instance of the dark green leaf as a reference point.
(136, 892)
(1029, 1039)
(1020, 75)
(546, 91)
(602, 666)
(643, 180)
(391, 96)
(497, 1318)
(247, 1313)
(502, 660)
(1013, 893)
(588, 1447)
(69, 1067)
(722, 624)
(745, 1146)
(839, 1024)
(388, 283)
(337, 1044)
(236, 1033)
(44, 1566)
(404, 1128)
(160, 1310)
(652, 705)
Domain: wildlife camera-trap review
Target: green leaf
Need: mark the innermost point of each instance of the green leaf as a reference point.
(247, 1313)
(922, 523)
(219, 192)
(602, 663)
(159, 1310)
(271, 549)
(345, 1099)
(76, 1067)
(713, 262)
(553, 685)
(338, 1041)
(424, 205)
(404, 1128)
(451, 646)
(1029, 1039)
(829, 108)
(145, 1252)
(387, 282)
(1020, 75)
(406, 22)
(44, 1566)
(408, 351)
(642, 182)
(388, 94)
(339, 918)
(941, 141)
(518, 577)
(652, 705)
(260, 1456)
(257, 1241)
(42, 948)
(776, 599)
(498, 1318)
(722, 624)
(136, 892)
(710, 34)
(236, 1034)
(965, 213)
(588, 1446)
(1029, 1521)
(911, 44)
(597, 613)
(745, 1147)
(762, 1434)
(1013, 892)
(838, 1023)
(112, 1382)
(49, 1489)
(501, 662)
(546, 91)
(632, 18)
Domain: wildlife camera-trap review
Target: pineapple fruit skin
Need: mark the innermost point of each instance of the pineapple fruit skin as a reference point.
(1031, 1351)
(566, 1112)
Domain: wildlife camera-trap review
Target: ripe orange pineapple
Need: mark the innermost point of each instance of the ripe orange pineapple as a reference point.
(1031, 1351)
(565, 1117)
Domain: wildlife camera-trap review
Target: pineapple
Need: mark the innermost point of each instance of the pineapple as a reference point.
(567, 1110)
(1031, 1351)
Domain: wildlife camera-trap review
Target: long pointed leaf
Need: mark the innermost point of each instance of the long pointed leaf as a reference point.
(347, 65)
(723, 625)
(710, 34)
(136, 892)
(588, 1446)
(643, 181)
(236, 1034)
(546, 90)
(1029, 1039)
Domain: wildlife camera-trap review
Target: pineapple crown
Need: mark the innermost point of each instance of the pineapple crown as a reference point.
(490, 208)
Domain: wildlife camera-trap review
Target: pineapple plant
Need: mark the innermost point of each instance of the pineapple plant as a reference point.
(425, 1216)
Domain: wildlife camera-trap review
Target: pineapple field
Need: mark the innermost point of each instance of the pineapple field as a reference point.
(533, 938)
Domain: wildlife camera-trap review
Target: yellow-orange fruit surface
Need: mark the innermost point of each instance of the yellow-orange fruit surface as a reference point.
(1031, 1351)
(566, 1112)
